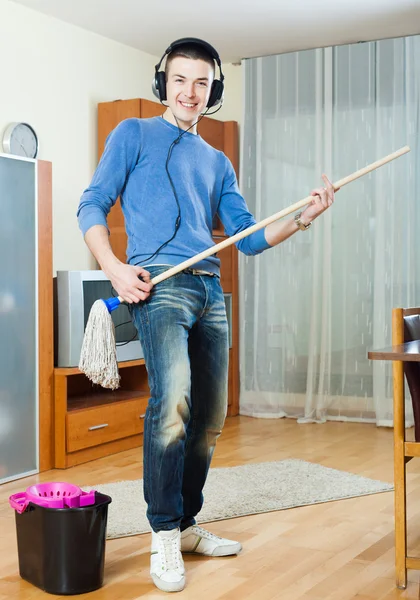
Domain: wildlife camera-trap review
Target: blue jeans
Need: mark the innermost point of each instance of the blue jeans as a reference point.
(183, 330)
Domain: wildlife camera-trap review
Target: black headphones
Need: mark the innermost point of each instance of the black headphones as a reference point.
(159, 81)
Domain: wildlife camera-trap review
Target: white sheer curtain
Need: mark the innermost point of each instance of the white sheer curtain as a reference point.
(312, 307)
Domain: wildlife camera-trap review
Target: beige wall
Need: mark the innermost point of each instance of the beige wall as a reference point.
(52, 76)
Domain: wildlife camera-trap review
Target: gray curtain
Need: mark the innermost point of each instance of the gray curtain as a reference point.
(312, 307)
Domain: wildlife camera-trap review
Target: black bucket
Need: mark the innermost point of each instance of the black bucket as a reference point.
(62, 550)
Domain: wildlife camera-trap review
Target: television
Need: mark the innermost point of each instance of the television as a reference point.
(76, 292)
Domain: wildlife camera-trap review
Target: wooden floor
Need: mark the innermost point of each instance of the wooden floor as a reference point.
(332, 551)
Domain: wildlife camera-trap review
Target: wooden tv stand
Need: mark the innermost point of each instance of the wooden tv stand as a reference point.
(91, 422)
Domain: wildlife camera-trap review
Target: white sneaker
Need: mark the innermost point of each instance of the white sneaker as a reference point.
(197, 540)
(166, 564)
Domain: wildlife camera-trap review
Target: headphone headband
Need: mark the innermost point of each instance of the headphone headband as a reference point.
(195, 41)
(159, 82)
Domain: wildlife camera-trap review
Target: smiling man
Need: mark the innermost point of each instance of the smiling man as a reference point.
(172, 184)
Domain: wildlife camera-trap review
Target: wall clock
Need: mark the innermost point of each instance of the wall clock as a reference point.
(20, 139)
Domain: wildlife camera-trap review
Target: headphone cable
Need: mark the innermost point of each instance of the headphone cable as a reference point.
(168, 157)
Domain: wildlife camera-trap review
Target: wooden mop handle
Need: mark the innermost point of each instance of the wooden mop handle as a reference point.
(286, 211)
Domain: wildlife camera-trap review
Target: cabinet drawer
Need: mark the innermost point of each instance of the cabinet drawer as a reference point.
(94, 426)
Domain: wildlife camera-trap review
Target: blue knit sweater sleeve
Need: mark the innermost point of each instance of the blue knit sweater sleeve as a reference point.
(122, 150)
(236, 216)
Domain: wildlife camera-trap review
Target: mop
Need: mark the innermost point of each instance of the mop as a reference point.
(98, 358)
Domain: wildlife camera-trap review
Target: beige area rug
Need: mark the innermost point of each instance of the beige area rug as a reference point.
(246, 490)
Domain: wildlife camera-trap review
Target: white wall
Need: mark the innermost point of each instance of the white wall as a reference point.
(52, 76)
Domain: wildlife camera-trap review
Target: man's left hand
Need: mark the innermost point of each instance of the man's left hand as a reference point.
(323, 199)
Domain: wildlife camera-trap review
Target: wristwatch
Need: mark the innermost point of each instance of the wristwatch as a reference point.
(302, 226)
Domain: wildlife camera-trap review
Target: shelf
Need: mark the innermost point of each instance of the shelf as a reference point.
(76, 371)
(102, 398)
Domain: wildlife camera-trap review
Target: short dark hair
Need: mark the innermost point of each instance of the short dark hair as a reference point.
(192, 51)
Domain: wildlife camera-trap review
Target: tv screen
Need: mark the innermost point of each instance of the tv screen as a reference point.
(124, 329)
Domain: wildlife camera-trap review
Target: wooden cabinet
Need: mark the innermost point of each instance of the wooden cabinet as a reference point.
(222, 135)
(89, 422)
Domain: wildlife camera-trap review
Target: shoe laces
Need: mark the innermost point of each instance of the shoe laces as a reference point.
(169, 553)
(205, 534)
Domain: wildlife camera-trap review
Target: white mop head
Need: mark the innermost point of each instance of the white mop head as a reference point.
(98, 357)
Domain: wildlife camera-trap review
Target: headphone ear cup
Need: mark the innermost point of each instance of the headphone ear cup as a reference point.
(216, 94)
(159, 86)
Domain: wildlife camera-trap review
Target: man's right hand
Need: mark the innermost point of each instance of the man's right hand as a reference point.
(124, 278)
(126, 282)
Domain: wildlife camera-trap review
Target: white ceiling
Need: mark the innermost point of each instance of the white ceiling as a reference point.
(238, 28)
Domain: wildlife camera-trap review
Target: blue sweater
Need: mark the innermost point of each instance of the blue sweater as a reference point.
(133, 167)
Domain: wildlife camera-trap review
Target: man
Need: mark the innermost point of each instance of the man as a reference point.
(171, 184)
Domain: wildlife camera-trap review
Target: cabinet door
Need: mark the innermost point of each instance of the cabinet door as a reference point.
(18, 319)
(109, 115)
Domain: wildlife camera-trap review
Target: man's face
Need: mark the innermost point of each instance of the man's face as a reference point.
(188, 88)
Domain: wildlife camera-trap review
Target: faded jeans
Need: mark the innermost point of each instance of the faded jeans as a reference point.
(183, 330)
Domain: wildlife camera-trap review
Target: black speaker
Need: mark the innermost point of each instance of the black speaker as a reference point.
(217, 88)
